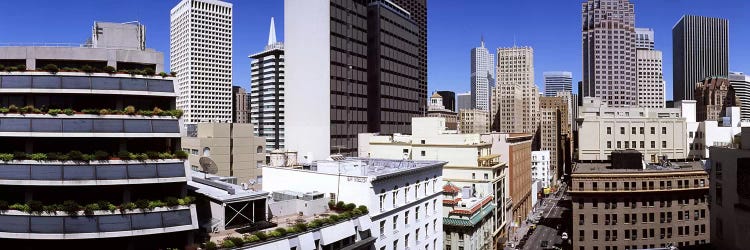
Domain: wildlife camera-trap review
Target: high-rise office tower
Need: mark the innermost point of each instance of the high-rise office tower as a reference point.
(515, 98)
(649, 70)
(359, 63)
(449, 99)
(418, 12)
(741, 84)
(201, 54)
(644, 38)
(482, 77)
(267, 92)
(463, 101)
(555, 81)
(700, 49)
(239, 105)
(609, 55)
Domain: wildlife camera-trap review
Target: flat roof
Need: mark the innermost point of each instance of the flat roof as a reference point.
(210, 186)
(373, 167)
(605, 168)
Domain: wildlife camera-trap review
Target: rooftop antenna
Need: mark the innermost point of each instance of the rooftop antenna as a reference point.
(514, 40)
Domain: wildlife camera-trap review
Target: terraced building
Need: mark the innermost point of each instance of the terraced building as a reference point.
(89, 154)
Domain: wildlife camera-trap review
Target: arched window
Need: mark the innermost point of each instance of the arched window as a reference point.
(206, 152)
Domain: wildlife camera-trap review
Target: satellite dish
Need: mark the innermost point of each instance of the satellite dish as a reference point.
(208, 165)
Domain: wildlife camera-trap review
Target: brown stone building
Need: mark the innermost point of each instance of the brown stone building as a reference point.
(637, 208)
(554, 131)
(713, 96)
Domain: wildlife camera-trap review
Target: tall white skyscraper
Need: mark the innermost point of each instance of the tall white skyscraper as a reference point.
(482, 77)
(555, 81)
(201, 54)
(644, 38)
(515, 99)
(649, 71)
(267, 92)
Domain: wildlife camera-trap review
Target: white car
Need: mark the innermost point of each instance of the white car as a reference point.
(565, 236)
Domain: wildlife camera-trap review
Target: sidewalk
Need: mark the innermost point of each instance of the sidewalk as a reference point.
(520, 232)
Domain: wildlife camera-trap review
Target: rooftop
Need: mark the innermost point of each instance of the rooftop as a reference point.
(213, 187)
(369, 167)
(605, 168)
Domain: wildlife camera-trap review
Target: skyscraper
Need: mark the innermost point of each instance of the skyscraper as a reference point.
(649, 71)
(360, 63)
(463, 101)
(700, 48)
(201, 54)
(609, 55)
(418, 12)
(449, 99)
(239, 105)
(482, 77)
(644, 38)
(515, 98)
(267, 91)
(555, 81)
(741, 84)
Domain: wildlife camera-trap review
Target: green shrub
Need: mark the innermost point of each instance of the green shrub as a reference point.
(4, 205)
(210, 246)
(274, 234)
(123, 155)
(57, 156)
(71, 207)
(261, 235)
(333, 218)
(2, 67)
(54, 112)
(111, 208)
(101, 155)
(90, 208)
(250, 238)
(10, 68)
(141, 156)
(88, 157)
(316, 223)
(300, 227)
(157, 111)
(173, 74)
(146, 112)
(6, 157)
(166, 155)
(187, 200)
(35, 206)
(331, 205)
(153, 155)
(177, 113)
(149, 72)
(27, 109)
(103, 111)
(52, 208)
(340, 205)
(90, 111)
(21, 67)
(181, 154)
(38, 156)
(236, 240)
(127, 206)
(12, 109)
(109, 69)
(75, 155)
(363, 209)
(19, 155)
(4, 110)
(350, 207)
(103, 204)
(162, 74)
(69, 69)
(130, 110)
(115, 112)
(172, 201)
(281, 230)
(68, 111)
(142, 204)
(87, 69)
(292, 230)
(19, 207)
(51, 68)
(227, 244)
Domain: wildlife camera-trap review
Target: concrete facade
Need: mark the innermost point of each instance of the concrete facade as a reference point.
(653, 132)
(729, 194)
(239, 105)
(234, 149)
(471, 121)
(555, 81)
(700, 49)
(437, 109)
(639, 208)
(467, 221)
(482, 77)
(540, 167)
(402, 196)
(651, 85)
(741, 85)
(201, 54)
(267, 92)
(515, 98)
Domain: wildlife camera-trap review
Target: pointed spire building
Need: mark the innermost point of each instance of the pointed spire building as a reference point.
(267, 92)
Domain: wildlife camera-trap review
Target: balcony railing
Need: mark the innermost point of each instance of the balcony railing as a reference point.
(34, 173)
(73, 83)
(71, 126)
(20, 225)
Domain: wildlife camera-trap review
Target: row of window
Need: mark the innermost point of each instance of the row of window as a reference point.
(664, 217)
(665, 184)
(632, 234)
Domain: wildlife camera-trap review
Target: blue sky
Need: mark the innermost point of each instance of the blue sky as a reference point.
(551, 27)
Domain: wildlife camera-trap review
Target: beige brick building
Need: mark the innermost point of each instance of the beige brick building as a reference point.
(639, 208)
(473, 121)
(515, 98)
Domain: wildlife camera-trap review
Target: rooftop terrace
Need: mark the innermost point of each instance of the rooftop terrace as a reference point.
(371, 167)
(605, 168)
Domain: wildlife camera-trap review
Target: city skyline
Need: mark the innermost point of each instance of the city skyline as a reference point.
(557, 44)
